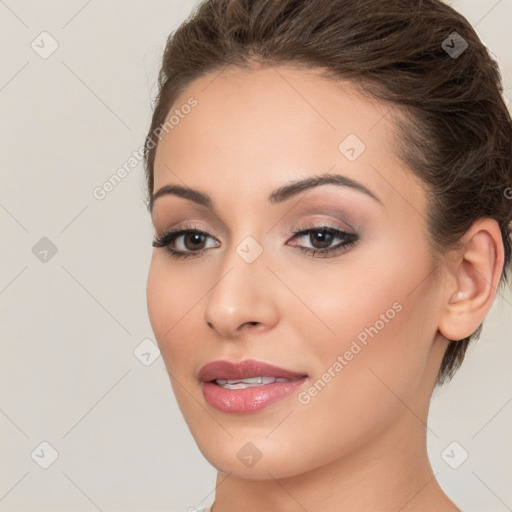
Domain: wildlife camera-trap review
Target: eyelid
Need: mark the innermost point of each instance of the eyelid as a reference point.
(191, 226)
(316, 222)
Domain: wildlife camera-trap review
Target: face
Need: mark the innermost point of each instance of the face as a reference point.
(330, 279)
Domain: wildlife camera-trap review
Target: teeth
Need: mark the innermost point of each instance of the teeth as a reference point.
(248, 383)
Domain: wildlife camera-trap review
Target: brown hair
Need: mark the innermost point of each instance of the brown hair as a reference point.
(457, 135)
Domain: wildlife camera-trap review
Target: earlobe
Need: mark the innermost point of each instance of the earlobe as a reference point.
(473, 279)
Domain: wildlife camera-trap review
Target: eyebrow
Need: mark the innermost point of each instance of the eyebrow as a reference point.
(279, 195)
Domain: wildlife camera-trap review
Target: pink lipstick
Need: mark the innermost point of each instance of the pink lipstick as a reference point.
(247, 386)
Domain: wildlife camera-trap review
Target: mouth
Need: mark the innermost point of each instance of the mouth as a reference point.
(226, 385)
(247, 373)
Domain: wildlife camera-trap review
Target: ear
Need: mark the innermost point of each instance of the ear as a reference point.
(471, 281)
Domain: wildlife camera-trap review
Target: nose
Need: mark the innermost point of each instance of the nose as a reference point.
(243, 298)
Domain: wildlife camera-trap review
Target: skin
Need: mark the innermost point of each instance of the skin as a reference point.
(359, 443)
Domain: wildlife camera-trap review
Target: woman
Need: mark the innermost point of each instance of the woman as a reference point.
(329, 184)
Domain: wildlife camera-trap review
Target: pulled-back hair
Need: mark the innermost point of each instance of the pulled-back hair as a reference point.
(456, 134)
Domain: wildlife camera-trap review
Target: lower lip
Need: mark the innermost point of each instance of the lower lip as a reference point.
(239, 401)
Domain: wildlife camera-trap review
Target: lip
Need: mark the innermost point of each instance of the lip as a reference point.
(246, 369)
(251, 399)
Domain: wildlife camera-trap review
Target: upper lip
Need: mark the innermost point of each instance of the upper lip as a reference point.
(243, 370)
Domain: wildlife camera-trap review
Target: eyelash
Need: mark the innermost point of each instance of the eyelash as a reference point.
(349, 240)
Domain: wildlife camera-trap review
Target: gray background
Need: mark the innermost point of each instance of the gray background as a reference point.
(72, 323)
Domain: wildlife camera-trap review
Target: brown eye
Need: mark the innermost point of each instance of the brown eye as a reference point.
(194, 241)
(320, 239)
(183, 243)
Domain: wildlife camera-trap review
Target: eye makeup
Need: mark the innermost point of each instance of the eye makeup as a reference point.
(314, 232)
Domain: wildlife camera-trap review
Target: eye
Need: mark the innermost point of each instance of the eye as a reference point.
(183, 242)
(322, 237)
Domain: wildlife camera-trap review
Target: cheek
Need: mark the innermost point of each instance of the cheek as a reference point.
(167, 297)
(175, 297)
(337, 303)
(377, 312)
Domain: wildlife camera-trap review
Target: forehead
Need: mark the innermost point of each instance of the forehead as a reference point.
(254, 106)
(260, 128)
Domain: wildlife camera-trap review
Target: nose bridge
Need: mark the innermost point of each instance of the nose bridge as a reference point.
(241, 294)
